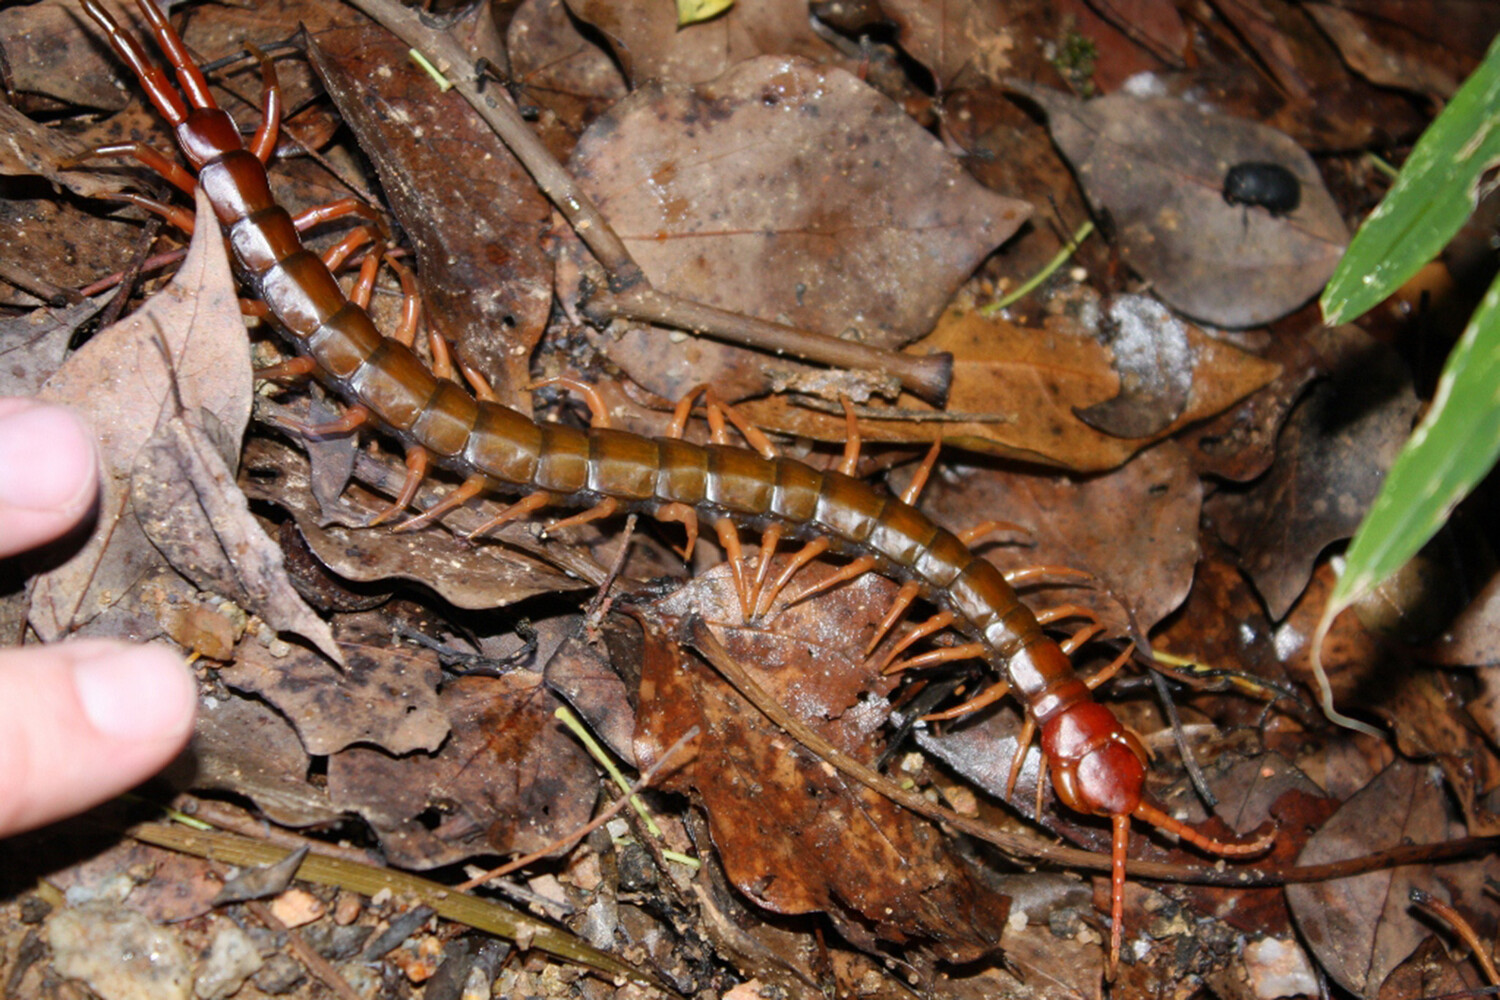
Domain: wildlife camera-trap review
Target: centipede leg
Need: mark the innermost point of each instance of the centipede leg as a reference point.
(805, 555)
(466, 491)
(263, 143)
(337, 209)
(919, 480)
(1023, 744)
(1030, 574)
(478, 382)
(350, 421)
(607, 507)
(858, 568)
(909, 592)
(175, 215)
(1119, 851)
(418, 462)
(769, 540)
(151, 158)
(965, 651)
(936, 623)
(983, 699)
(598, 410)
(729, 538)
(524, 507)
(1057, 613)
(686, 516)
(852, 442)
(1099, 678)
(290, 370)
(971, 535)
(1074, 642)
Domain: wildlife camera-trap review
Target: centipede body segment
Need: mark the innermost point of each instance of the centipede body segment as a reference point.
(1097, 766)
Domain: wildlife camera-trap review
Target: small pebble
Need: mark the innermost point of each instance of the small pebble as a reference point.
(296, 907)
(232, 958)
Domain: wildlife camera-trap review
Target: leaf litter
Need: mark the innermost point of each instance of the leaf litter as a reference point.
(777, 165)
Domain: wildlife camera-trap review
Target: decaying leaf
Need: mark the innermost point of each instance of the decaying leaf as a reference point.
(1155, 168)
(790, 193)
(480, 229)
(1333, 453)
(510, 778)
(185, 347)
(795, 835)
(1361, 928)
(387, 696)
(1015, 393)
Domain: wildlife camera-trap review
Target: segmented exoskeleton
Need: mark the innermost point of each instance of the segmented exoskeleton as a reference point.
(1098, 766)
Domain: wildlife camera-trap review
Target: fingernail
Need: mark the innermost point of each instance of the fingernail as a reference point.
(135, 692)
(46, 460)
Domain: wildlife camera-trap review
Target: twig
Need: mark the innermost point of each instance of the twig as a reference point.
(1462, 928)
(481, 914)
(630, 292)
(1189, 762)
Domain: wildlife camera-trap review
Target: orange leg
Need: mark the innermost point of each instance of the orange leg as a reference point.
(466, 491)
(914, 488)
(807, 554)
(1030, 574)
(908, 593)
(1109, 671)
(983, 699)
(685, 516)
(854, 570)
(154, 160)
(521, 508)
(1119, 851)
(769, 540)
(291, 369)
(967, 651)
(1056, 614)
(478, 382)
(607, 507)
(851, 439)
(729, 537)
(352, 420)
(937, 622)
(971, 535)
(598, 411)
(263, 143)
(418, 461)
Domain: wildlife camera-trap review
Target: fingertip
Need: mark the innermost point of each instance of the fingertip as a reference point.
(48, 473)
(81, 722)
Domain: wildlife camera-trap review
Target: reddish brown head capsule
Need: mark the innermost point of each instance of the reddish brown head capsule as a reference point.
(1098, 767)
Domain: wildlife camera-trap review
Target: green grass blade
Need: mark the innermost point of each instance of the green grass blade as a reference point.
(1430, 200)
(1453, 448)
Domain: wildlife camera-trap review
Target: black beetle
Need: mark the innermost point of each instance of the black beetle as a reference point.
(1269, 185)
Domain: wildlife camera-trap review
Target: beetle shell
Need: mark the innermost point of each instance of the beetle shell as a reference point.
(1266, 185)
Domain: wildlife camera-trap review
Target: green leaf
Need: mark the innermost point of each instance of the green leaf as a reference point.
(1453, 448)
(1434, 194)
(693, 11)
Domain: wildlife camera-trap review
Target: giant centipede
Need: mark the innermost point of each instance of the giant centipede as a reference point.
(1097, 765)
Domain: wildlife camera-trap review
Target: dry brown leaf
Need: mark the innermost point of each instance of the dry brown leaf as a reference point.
(1361, 928)
(191, 336)
(650, 45)
(241, 745)
(487, 575)
(387, 696)
(963, 43)
(510, 779)
(1332, 455)
(473, 214)
(1015, 391)
(793, 834)
(787, 192)
(1155, 169)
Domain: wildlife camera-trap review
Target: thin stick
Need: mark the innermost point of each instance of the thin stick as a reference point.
(1070, 248)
